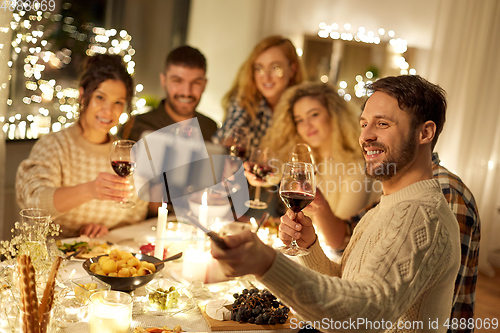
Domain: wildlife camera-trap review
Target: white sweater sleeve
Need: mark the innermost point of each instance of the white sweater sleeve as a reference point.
(40, 175)
(390, 274)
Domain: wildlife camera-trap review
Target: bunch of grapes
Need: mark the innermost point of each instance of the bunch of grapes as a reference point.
(258, 307)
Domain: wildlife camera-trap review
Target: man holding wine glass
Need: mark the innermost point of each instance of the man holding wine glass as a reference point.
(401, 263)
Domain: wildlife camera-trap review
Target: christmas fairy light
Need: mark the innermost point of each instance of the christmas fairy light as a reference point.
(32, 47)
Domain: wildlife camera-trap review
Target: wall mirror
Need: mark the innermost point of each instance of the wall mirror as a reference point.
(349, 61)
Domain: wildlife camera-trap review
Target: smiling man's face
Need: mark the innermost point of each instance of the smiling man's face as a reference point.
(387, 138)
(184, 87)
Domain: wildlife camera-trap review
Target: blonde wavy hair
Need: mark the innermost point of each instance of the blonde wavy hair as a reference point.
(282, 135)
(244, 89)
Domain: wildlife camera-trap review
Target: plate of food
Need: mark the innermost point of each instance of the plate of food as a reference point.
(84, 247)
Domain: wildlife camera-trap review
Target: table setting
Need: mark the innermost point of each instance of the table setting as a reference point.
(154, 276)
(186, 292)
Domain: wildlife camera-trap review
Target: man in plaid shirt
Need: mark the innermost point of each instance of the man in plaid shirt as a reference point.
(463, 205)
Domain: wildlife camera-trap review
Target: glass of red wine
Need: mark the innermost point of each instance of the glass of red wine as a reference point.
(123, 163)
(236, 140)
(260, 165)
(297, 190)
(302, 152)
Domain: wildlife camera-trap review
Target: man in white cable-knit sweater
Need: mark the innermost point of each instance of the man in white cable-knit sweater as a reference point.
(398, 272)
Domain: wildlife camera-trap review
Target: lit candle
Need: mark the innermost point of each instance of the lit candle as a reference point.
(160, 230)
(110, 312)
(263, 234)
(194, 265)
(253, 223)
(203, 214)
(217, 226)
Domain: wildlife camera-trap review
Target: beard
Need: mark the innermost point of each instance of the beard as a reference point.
(184, 112)
(394, 161)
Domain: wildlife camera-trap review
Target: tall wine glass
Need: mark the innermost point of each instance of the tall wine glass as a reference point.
(123, 162)
(297, 190)
(237, 141)
(302, 152)
(260, 165)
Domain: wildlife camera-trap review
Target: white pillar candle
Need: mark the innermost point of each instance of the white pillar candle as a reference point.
(253, 223)
(160, 231)
(194, 266)
(110, 312)
(203, 213)
(203, 217)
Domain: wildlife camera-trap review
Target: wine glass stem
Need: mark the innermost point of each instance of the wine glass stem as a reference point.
(257, 193)
(294, 244)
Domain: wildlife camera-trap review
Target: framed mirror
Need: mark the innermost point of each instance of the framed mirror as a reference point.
(350, 61)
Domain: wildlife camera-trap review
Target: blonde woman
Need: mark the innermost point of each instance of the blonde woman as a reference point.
(313, 113)
(271, 68)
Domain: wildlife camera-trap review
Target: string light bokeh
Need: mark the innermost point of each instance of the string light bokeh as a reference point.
(48, 103)
(398, 47)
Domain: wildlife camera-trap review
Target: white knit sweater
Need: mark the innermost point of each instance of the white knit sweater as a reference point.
(64, 159)
(400, 266)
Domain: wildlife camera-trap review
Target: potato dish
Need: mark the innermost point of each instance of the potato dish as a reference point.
(121, 264)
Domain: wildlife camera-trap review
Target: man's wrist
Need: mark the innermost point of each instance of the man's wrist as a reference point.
(268, 257)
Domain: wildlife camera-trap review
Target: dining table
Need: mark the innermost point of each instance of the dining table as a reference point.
(215, 286)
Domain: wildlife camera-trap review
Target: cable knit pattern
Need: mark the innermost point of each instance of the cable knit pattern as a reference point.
(63, 159)
(400, 266)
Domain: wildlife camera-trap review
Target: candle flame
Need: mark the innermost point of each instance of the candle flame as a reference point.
(164, 205)
(253, 222)
(204, 199)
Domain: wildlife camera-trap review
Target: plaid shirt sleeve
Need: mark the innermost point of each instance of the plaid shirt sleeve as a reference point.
(463, 205)
(239, 117)
(236, 117)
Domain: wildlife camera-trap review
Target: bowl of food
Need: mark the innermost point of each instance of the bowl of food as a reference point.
(167, 297)
(85, 286)
(123, 271)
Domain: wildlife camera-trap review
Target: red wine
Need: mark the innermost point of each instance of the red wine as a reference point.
(123, 168)
(259, 170)
(296, 201)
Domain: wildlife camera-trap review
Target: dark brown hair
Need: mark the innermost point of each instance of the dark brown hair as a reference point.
(100, 68)
(421, 99)
(186, 56)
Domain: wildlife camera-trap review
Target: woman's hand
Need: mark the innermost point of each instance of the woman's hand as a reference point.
(110, 187)
(106, 186)
(272, 179)
(93, 230)
(252, 179)
(301, 230)
(317, 205)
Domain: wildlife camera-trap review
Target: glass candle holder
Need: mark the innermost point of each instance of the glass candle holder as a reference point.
(110, 312)
(70, 309)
